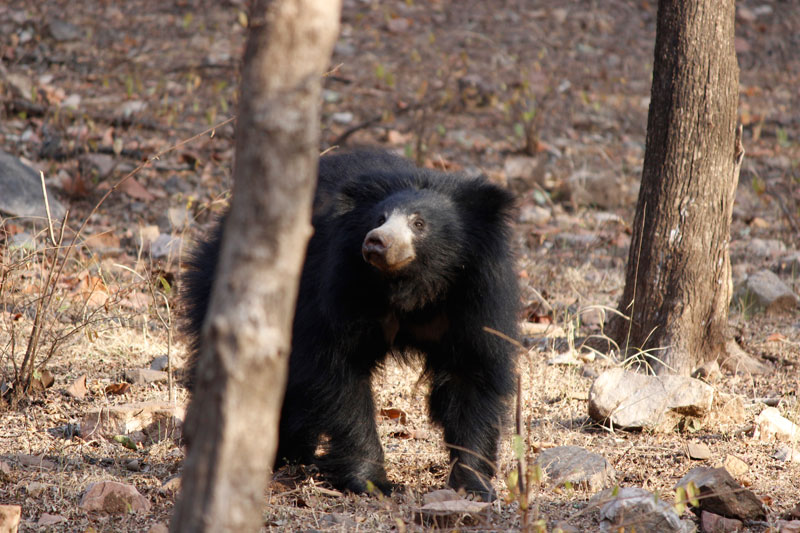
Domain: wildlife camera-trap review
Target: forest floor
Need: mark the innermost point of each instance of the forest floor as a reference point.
(549, 98)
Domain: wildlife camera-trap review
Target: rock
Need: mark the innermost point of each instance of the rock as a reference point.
(735, 466)
(568, 358)
(576, 240)
(48, 519)
(792, 526)
(9, 518)
(339, 520)
(575, 465)
(170, 486)
(132, 107)
(564, 527)
(158, 528)
(178, 217)
(522, 172)
(765, 291)
(442, 495)
(35, 461)
(62, 31)
(22, 191)
(143, 376)
(637, 509)
(606, 191)
(343, 117)
(720, 494)
(159, 363)
(166, 246)
(698, 451)
(113, 497)
(158, 420)
(632, 400)
(534, 214)
(35, 489)
(19, 85)
(714, 523)
(445, 514)
(786, 454)
(764, 249)
(771, 425)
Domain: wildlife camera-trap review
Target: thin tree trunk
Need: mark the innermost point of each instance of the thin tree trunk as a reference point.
(232, 421)
(678, 279)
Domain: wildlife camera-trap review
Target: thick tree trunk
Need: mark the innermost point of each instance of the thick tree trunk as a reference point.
(678, 279)
(232, 422)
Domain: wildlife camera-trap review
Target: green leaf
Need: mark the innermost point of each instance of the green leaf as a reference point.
(126, 441)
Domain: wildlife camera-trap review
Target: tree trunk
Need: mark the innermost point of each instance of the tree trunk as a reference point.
(232, 422)
(678, 279)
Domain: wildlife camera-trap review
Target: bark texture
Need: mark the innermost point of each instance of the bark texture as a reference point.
(678, 279)
(232, 421)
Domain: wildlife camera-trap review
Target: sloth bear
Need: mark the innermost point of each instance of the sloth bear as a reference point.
(404, 263)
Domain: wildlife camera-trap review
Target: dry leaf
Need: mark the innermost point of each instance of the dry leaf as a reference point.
(117, 388)
(392, 413)
(134, 189)
(78, 388)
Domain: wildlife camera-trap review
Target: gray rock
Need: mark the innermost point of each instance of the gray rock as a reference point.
(720, 494)
(166, 245)
(143, 376)
(63, 31)
(22, 190)
(765, 291)
(575, 465)
(97, 166)
(445, 514)
(765, 249)
(339, 520)
(632, 400)
(159, 363)
(636, 509)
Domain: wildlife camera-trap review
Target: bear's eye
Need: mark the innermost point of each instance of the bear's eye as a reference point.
(419, 224)
(381, 219)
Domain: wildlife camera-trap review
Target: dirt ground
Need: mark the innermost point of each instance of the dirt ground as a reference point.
(100, 86)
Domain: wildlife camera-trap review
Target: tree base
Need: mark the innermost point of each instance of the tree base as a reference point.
(740, 362)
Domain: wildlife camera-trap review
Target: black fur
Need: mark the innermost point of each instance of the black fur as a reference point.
(351, 316)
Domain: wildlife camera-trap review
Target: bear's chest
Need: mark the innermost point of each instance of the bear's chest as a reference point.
(414, 331)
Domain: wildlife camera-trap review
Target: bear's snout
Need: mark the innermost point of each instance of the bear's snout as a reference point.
(390, 246)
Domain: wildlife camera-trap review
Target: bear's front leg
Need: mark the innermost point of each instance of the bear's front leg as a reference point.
(471, 415)
(354, 455)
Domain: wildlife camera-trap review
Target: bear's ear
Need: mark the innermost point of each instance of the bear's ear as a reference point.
(485, 202)
(364, 190)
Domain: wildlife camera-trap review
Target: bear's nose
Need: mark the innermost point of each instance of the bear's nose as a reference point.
(376, 242)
